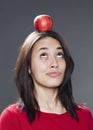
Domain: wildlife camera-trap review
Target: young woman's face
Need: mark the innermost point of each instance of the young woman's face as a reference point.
(47, 63)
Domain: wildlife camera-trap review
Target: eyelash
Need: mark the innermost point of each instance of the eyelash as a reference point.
(60, 55)
(43, 55)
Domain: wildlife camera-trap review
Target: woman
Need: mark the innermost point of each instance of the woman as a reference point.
(43, 78)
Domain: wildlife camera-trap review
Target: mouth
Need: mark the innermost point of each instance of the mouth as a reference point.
(54, 74)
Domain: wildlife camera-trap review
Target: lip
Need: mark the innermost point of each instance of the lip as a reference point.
(54, 74)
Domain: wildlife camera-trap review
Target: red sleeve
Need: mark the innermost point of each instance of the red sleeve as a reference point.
(9, 121)
(90, 121)
(87, 117)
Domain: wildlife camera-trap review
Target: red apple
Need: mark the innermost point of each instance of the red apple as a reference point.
(43, 23)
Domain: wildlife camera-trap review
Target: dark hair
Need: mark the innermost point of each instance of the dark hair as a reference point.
(24, 81)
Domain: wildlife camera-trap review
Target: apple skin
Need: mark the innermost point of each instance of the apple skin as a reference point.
(43, 23)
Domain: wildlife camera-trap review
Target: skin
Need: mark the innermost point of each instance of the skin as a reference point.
(47, 70)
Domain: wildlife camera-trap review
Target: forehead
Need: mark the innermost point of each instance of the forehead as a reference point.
(47, 42)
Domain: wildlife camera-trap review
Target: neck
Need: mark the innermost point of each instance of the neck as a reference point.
(48, 102)
(46, 96)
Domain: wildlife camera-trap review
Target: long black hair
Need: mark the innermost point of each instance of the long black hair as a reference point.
(24, 81)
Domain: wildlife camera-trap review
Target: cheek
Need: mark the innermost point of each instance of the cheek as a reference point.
(34, 67)
(38, 72)
(35, 71)
(38, 67)
(63, 66)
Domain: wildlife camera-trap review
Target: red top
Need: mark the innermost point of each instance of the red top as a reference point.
(12, 118)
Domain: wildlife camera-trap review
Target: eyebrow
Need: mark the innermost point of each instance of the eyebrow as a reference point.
(59, 48)
(45, 48)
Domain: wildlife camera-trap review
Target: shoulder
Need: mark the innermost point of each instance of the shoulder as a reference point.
(84, 108)
(11, 109)
(84, 112)
(10, 115)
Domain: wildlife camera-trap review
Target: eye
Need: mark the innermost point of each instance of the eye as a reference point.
(60, 55)
(43, 55)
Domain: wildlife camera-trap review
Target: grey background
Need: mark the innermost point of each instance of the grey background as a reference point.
(72, 18)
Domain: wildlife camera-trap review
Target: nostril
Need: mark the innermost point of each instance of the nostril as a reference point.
(54, 66)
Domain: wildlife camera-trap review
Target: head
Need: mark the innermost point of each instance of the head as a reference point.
(23, 65)
(24, 68)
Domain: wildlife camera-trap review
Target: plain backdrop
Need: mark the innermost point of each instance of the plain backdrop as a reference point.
(72, 18)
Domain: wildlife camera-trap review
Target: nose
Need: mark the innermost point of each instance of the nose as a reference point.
(53, 62)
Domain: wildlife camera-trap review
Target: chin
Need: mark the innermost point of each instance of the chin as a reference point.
(54, 85)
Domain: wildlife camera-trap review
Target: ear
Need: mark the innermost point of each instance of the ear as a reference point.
(29, 70)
